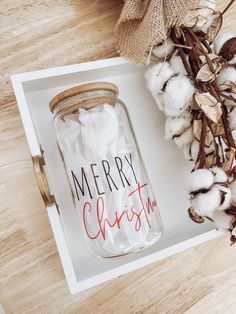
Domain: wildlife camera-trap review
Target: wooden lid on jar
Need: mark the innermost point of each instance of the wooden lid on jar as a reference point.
(84, 88)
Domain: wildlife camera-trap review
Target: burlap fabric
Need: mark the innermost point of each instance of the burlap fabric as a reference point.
(144, 23)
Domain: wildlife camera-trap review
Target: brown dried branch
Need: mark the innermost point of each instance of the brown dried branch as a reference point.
(176, 40)
(215, 144)
(201, 154)
(227, 7)
(229, 97)
(228, 133)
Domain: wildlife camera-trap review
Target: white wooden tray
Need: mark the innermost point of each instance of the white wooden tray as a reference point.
(165, 165)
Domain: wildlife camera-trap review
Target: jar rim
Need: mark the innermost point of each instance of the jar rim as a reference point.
(80, 89)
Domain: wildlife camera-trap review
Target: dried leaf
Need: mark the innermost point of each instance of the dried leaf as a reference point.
(197, 130)
(206, 75)
(218, 128)
(210, 160)
(209, 105)
(211, 56)
(229, 159)
(228, 86)
(196, 218)
(198, 17)
(215, 27)
(228, 102)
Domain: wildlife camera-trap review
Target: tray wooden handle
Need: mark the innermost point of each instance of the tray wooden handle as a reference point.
(38, 163)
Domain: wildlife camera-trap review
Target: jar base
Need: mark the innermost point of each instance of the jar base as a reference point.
(131, 252)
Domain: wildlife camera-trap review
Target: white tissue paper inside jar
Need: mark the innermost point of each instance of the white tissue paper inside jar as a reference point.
(112, 193)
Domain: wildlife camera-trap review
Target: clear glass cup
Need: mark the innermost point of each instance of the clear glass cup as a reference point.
(112, 192)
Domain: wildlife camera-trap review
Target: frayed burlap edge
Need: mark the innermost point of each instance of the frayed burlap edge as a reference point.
(144, 23)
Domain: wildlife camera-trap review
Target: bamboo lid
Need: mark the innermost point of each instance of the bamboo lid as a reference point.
(79, 89)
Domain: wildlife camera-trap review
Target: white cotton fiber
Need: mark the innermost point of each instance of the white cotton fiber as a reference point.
(234, 134)
(232, 119)
(199, 179)
(210, 4)
(157, 75)
(222, 220)
(232, 187)
(186, 151)
(163, 50)
(176, 125)
(233, 60)
(220, 40)
(219, 175)
(177, 65)
(194, 150)
(185, 138)
(206, 203)
(227, 74)
(178, 95)
(205, 27)
(226, 197)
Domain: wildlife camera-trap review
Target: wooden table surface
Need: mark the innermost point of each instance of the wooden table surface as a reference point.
(36, 34)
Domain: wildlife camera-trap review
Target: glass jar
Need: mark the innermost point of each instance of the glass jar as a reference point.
(111, 190)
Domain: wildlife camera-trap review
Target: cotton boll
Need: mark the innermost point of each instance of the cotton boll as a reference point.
(176, 125)
(232, 119)
(209, 149)
(186, 151)
(194, 150)
(226, 197)
(159, 100)
(199, 179)
(219, 175)
(185, 138)
(227, 102)
(205, 204)
(211, 4)
(222, 220)
(207, 25)
(178, 95)
(220, 40)
(227, 74)
(156, 78)
(234, 134)
(157, 75)
(177, 65)
(232, 187)
(164, 49)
